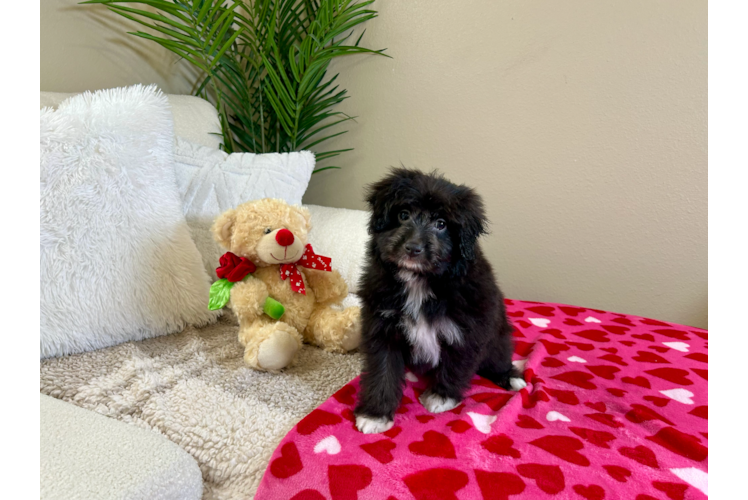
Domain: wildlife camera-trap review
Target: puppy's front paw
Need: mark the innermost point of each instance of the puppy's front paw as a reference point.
(373, 425)
(437, 404)
(517, 384)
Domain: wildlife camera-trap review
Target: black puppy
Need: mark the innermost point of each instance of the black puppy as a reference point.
(430, 300)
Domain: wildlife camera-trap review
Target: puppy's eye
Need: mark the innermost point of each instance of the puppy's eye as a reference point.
(268, 230)
(404, 215)
(440, 224)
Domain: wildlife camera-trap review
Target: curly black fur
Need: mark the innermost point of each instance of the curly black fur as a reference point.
(424, 232)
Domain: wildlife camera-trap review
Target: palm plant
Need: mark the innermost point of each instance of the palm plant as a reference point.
(263, 63)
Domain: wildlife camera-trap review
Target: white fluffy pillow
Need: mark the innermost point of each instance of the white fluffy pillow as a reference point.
(211, 181)
(117, 260)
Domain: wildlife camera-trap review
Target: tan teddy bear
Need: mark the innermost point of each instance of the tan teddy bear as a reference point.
(273, 235)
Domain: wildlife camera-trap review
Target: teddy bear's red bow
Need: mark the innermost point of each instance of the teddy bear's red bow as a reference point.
(309, 260)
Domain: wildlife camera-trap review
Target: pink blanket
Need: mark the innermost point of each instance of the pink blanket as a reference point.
(615, 407)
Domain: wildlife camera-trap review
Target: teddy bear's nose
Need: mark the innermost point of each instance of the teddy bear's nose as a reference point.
(284, 237)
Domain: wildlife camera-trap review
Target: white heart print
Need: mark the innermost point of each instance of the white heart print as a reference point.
(330, 444)
(680, 395)
(410, 377)
(541, 322)
(678, 346)
(552, 416)
(576, 359)
(591, 319)
(482, 422)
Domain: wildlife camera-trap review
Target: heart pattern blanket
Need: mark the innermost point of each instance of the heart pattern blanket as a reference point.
(615, 407)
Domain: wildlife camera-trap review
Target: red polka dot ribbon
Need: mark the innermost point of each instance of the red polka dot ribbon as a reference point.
(309, 260)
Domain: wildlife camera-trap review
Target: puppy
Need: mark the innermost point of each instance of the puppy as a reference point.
(430, 300)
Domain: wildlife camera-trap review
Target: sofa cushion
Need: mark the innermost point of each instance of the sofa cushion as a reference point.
(86, 455)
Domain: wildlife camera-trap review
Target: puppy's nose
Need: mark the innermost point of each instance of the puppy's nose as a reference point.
(414, 249)
(284, 237)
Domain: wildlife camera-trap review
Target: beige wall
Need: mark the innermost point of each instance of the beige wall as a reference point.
(582, 123)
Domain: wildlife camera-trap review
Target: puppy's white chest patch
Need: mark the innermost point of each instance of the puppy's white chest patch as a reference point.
(423, 335)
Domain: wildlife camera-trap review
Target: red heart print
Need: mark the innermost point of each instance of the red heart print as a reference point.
(550, 362)
(681, 443)
(288, 464)
(579, 379)
(627, 342)
(659, 348)
(424, 418)
(498, 485)
(661, 402)
(564, 447)
(572, 322)
(571, 311)
(517, 334)
(434, 444)
(641, 454)
(619, 393)
(582, 346)
(591, 492)
(345, 395)
(380, 450)
(348, 415)
(605, 419)
(673, 334)
(620, 474)
(553, 348)
(598, 438)
(523, 323)
(347, 480)
(702, 334)
(515, 314)
(674, 491)
(459, 426)
(604, 371)
(623, 321)
(458, 409)
(566, 397)
(529, 400)
(501, 445)
(522, 348)
(640, 413)
(403, 402)
(392, 433)
(308, 495)
(527, 422)
(614, 358)
(643, 336)
(554, 332)
(649, 357)
(315, 420)
(593, 335)
(611, 350)
(436, 484)
(705, 434)
(653, 322)
(698, 356)
(674, 375)
(549, 478)
(640, 381)
(546, 311)
(701, 412)
(616, 330)
(701, 373)
(494, 400)
(599, 406)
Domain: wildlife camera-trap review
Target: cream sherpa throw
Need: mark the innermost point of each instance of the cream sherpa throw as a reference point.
(194, 388)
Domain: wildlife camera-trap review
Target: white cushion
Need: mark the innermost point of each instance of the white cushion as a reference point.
(195, 119)
(86, 455)
(211, 181)
(342, 234)
(117, 260)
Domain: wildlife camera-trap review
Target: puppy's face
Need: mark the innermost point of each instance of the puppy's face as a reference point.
(424, 223)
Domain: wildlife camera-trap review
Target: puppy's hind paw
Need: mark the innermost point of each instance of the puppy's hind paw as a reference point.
(517, 384)
(437, 404)
(373, 425)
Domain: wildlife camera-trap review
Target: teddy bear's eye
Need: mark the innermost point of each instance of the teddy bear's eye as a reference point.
(268, 230)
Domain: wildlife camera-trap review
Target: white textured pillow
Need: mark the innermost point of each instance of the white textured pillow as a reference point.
(117, 260)
(342, 234)
(212, 181)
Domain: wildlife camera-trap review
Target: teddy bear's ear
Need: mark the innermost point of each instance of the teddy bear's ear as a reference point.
(223, 228)
(304, 215)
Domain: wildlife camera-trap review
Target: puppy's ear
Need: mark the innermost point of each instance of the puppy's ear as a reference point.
(382, 198)
(223, 228)
(469, 217)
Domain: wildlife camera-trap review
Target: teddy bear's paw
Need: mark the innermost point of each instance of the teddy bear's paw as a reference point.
(352, 336)
(277, 351)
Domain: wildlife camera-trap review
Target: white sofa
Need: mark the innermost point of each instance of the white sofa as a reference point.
(189, 388)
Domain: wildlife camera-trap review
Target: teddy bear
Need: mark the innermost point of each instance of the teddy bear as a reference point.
(271, 237)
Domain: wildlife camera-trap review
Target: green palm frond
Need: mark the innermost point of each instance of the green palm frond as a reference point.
(264, 63)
